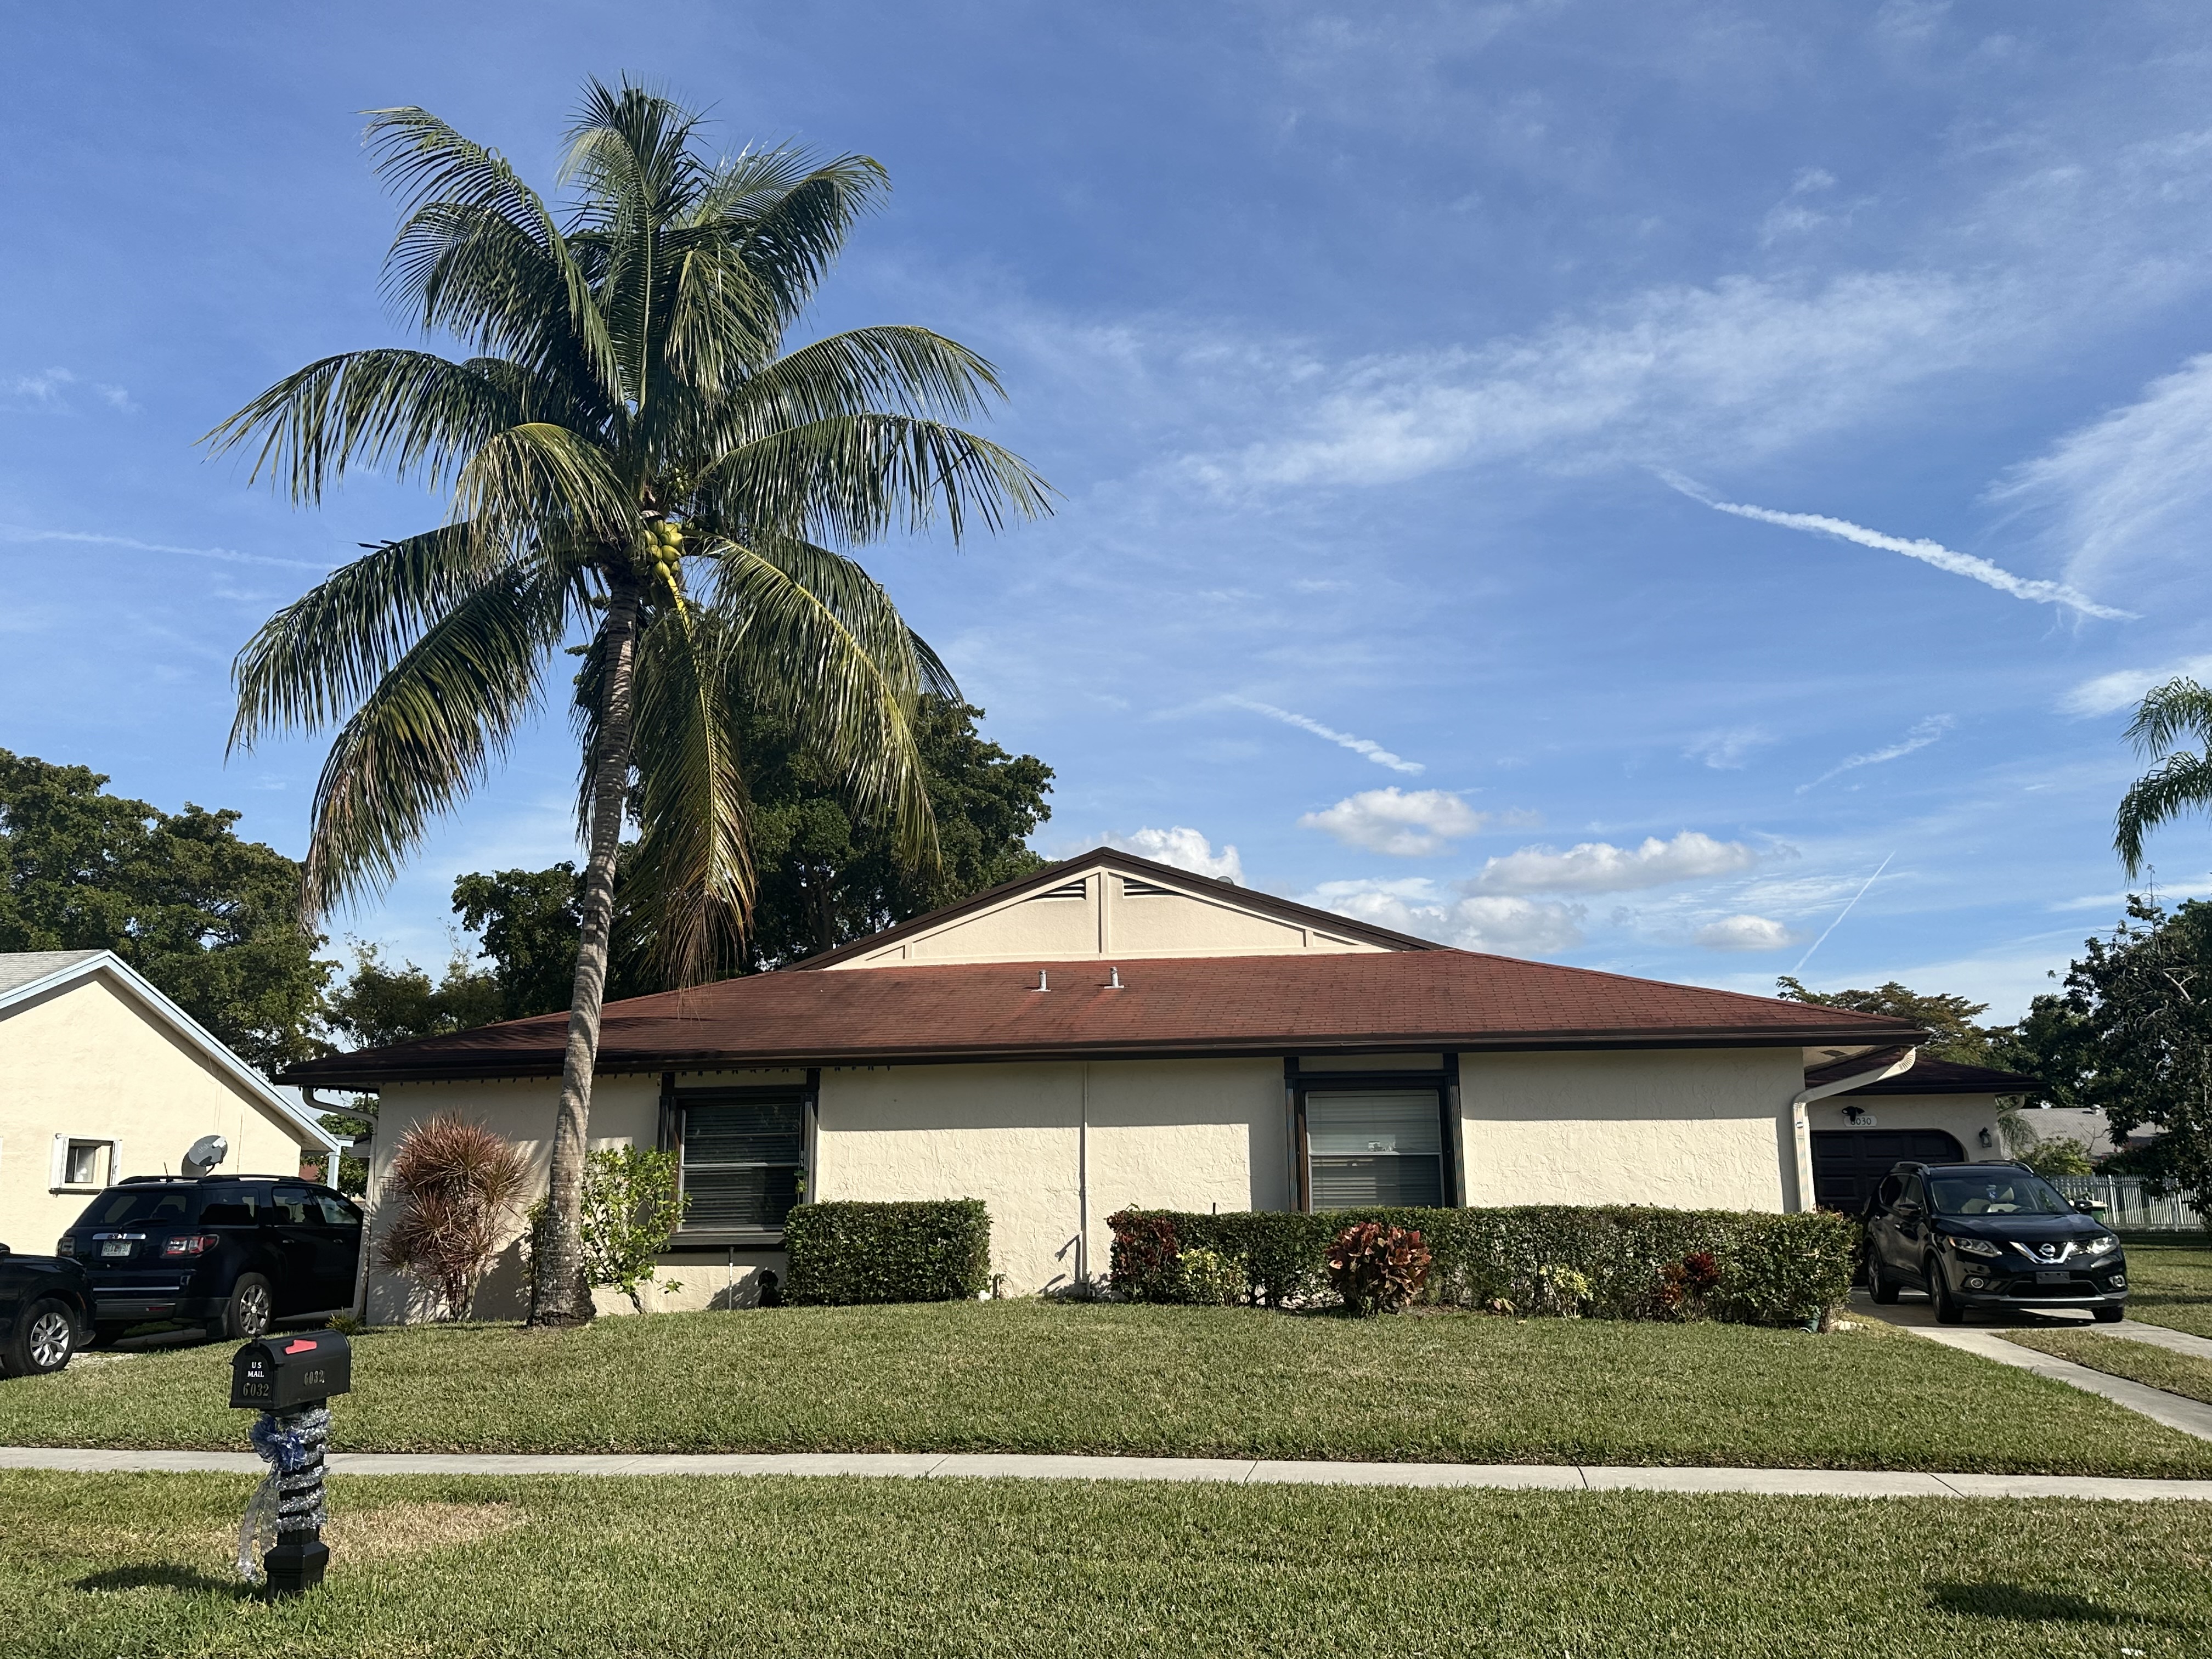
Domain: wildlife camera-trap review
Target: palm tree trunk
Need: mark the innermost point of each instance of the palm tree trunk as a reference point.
(559, 1295)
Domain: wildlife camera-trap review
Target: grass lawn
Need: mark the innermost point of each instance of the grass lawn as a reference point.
(2170, 1280)
(1029, 1377)
(2140, 1362)
(106, 1565)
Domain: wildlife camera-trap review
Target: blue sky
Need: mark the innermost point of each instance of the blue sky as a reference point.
(1590, 481)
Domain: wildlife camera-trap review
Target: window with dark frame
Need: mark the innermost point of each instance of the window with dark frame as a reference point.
(1367, 1147)
(741, 1161)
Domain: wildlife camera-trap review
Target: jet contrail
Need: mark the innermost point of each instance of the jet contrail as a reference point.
(1367, 746)
(11, 533)
(1838, 921)
(1923, 733)
(1943, 558)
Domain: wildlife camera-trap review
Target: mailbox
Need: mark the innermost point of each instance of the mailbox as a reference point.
(285, 1370)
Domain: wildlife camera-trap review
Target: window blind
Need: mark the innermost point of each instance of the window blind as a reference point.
(741, 1163)
(1369, 1147)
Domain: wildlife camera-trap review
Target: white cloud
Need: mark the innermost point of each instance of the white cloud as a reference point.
(1747, 933)
(1510, 927)
(1968, 565)
(1746, 366)
(1407, 823)
(2124, 687)
(1727, 751)
(2133, 489)
(1597, 867)
(1184, 848)
(1367, 746)
(51, 387)
(1924, 733)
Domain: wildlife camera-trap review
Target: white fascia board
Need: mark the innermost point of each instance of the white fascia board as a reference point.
(262, 1091)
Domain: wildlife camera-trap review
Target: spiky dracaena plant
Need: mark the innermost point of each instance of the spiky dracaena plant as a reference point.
(2182, 781)
(637, 463)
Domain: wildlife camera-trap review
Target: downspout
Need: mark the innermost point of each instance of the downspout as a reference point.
(1801, 1129)
(1083, 1177)
(367, 1196)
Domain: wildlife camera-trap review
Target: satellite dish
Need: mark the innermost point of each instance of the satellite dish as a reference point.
(206, 1152)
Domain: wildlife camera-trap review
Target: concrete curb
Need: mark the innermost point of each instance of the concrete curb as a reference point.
(1221, 1471)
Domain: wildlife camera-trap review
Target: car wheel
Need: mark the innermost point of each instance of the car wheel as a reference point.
(46, 1337)
(2108, 1315)
(1948, 1310)
(246, 1315)
(1880, 1286)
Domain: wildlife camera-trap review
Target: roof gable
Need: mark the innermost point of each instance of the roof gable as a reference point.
(28, 976)
(1110, 905)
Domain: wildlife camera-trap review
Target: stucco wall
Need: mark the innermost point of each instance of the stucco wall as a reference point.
(1699, 1129)
(625, 1110)
(1189, 1134)
(88, 1061)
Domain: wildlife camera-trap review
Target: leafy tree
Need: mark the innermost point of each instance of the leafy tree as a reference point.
(2181, 782)
(2133, 1034)
(2060, 1155)
(211, 919)
(1949, 1019)
(817, 872)
(635, 458)
(379, 1004)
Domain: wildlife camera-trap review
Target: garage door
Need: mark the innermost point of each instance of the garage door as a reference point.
(1848, 1165)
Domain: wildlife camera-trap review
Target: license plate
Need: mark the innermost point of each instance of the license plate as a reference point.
(116, 1247)
(2054, 1278)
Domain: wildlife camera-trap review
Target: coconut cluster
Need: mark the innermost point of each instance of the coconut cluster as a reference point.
(663, 544)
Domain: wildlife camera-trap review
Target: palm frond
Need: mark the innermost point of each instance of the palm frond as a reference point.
(908, 371)
(480, 253)
(414, 412)
(692, 882)
(787, 214)
(2179, 708)
(2182, 785)
(814, 640)
(316, 658)
(429, 731)
(851, 478)
(532, 480)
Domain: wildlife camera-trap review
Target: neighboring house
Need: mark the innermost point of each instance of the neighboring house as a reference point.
(104, 1077)
(1112, 1031)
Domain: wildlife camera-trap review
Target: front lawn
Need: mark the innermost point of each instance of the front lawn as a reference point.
(2170, 1280)
(94, 1566)
(1028, 1376)
(2139, 1362)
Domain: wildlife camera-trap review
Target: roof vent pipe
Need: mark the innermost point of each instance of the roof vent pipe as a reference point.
(1043, 984)
(1115, 982)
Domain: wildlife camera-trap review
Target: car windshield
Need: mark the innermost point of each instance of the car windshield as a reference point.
(158, 1207)
(1983, 1194)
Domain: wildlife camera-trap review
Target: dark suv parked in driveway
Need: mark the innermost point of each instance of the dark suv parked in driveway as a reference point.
(233, 1252)
(46, 1311)
(1990, 1236)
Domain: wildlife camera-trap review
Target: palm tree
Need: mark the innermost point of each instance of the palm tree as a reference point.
(636, 463)
(2182, 782)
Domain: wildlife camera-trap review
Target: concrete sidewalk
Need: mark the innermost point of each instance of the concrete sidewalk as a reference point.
(1235, 1472)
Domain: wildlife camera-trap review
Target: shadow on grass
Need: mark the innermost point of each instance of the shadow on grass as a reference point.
(2019, 1602)
(166, 1575)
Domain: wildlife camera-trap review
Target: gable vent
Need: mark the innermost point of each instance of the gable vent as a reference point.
(1079, 888)
(1131, 887)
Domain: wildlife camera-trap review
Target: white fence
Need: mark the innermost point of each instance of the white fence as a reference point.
(2123, 1203)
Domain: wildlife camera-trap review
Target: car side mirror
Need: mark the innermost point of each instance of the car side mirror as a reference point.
(2086, 1207)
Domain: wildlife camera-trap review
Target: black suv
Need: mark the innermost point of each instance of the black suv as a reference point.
(233, 1252)
(1990, 1236)
(45, 1312)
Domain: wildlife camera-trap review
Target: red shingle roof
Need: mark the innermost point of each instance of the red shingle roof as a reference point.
(1376, 1002)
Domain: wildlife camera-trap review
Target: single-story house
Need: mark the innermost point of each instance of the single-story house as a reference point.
(1112, 1031)
(106, 1078)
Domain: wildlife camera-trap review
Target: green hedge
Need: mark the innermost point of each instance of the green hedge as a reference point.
(1622, 1261)
(938, 1250)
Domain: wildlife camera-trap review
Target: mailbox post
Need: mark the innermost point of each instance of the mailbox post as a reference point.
(289, 1377)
